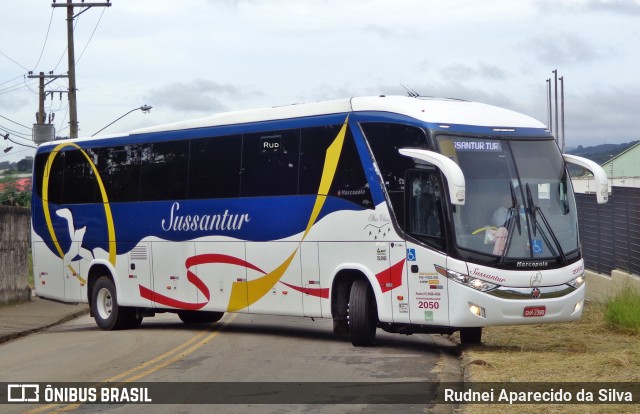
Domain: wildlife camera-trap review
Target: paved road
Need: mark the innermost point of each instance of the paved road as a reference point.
(244, 348)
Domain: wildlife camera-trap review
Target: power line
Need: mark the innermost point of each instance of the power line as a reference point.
(91, 37)
(22, 66)
(28, 86)
(13, 88)
(64, 53)
(73, 114)
(45, 40)
(6, 136)
(64, 118)
(21, 135)
(14, 153)
(11, 80)
(17, 123)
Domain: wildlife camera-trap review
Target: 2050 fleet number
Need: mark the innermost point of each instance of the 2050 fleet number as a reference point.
(428, 305)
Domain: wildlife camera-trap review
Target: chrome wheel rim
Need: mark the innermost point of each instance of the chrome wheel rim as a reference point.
(105, 303)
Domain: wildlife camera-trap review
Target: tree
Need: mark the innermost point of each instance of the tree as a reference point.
(25, 164)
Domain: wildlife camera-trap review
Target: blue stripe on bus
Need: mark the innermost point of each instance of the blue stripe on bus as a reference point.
(256, 219)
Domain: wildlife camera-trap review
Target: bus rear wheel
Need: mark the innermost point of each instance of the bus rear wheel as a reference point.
(107, 313)
(189, 317)
(363, 314)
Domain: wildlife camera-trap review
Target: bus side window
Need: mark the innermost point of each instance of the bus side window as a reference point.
(119, 168)
(80, 185)
(214, 167)
(349, 182)
(424, 218)
(270, 163)
(163, 170)
(55, 178)
(385, 139)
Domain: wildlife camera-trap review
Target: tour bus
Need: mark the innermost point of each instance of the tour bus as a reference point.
(409, 214)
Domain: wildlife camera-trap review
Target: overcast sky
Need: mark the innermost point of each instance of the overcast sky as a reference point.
(192, 58)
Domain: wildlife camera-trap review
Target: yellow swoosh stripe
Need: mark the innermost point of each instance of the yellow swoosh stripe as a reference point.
(105, 201)
(246, 293)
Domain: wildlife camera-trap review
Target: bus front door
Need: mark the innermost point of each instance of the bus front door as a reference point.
(428, 299)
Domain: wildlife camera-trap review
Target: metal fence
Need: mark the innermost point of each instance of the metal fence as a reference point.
(610, 232)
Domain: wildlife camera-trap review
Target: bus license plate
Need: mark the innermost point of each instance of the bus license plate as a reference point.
(533, 311)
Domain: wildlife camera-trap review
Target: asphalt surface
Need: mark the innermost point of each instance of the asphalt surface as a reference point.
(35, 315)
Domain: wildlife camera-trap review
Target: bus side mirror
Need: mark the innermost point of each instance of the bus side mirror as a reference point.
(602, 183)
(451, 170)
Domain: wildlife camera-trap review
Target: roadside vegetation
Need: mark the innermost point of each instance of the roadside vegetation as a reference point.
(604, 346)
(623, 311)
(15, 182)
(12, 196)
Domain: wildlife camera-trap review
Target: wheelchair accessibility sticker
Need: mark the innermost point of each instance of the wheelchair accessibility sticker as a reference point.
(411, 255)
(537, 246)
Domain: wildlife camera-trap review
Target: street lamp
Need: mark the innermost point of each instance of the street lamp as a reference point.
(144, 108)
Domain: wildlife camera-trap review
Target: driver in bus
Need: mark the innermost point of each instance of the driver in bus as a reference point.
(501, 214)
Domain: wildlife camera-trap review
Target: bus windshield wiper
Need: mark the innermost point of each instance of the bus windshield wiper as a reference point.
(514, 207)
(534, 209)
(513, 220)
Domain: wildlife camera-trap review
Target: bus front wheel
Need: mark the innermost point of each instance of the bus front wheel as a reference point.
(104, 306)
(470, 336)
(363, 314)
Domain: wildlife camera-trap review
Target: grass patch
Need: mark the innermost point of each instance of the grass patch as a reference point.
(587, 350)
(623, 310)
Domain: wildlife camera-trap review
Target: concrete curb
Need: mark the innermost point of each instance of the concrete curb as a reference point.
(57, 314)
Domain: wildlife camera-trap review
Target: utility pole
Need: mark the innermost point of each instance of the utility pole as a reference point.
(41, 116)
(43, 132)
(73, 108)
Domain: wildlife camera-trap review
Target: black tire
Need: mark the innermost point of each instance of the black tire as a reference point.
(363, 314)
(470, 336)
(135, 319)
(189, 317)
(341, 311)
(107, 313)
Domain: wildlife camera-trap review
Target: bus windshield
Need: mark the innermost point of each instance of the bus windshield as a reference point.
(519, 202)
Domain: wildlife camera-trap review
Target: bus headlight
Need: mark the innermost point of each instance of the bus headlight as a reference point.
(577, 281)
(477, 284)
(477, 310)
(481, 285)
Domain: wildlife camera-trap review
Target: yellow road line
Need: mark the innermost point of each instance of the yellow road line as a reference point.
(185, 353)
(153, 365)
(155, 360)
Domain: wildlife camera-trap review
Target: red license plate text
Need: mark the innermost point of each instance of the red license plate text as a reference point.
(534, 311)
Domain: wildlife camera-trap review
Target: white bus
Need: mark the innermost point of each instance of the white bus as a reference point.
(408, 214)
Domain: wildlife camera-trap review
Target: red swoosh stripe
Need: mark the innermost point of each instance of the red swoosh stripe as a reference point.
(319, 292)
